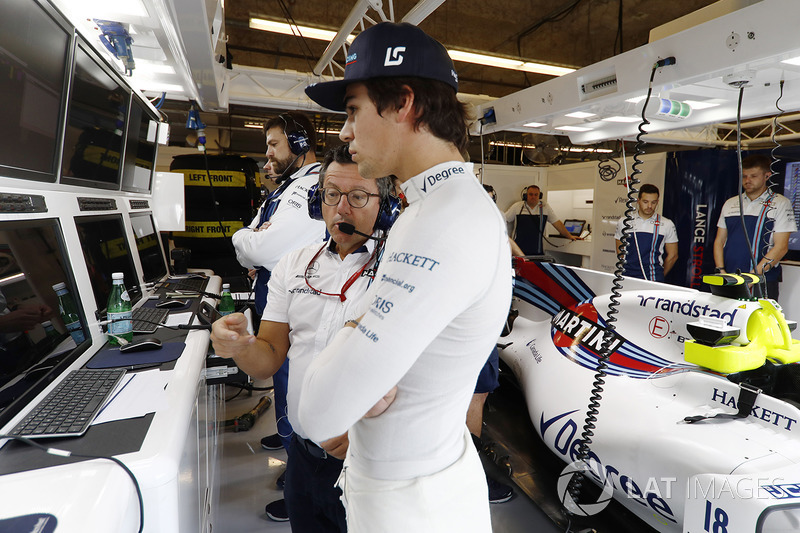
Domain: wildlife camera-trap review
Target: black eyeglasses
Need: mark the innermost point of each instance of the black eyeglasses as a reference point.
(356, 198)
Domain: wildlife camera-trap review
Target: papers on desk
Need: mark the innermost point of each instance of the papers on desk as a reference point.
(178, 319)
(136, 395)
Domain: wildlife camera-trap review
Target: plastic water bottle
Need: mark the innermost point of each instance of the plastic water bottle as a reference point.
(226, 306)
(49, 331)
(69, 313)
(119, 311)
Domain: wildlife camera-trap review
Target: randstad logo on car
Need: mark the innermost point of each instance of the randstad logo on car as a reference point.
(688, 308)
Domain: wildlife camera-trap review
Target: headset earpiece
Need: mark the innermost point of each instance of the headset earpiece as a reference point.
(315, 202)
(296, 136)
(388, 213)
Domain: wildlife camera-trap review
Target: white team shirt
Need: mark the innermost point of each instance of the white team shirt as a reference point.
(290, 226)
(782, 212)
(522, 208)
(645, 225)
(314, 318)
(434, 312)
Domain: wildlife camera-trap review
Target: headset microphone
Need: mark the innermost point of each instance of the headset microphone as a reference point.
(288, 172)
(349, 229)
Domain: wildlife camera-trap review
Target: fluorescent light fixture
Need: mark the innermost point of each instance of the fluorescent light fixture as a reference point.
(701, 105)
(573, 128)
(11, 279)
(506, 144)
(505, 62)
(253, 125)
(792, 61)
(636, 99)
(589, 150)
(622, 119)
(288, 29)
(534, 125)
(144, 66)
(579, 114)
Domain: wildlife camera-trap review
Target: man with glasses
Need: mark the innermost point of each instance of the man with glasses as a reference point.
(313, 291)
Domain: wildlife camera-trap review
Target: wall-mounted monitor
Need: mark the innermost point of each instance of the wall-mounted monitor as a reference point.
(35, 50)
(140, 148)
(33, 258)
(106, 250)
(97, 114)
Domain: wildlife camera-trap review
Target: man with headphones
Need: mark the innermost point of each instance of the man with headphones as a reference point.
(282, 224)
(313, 291)
(529, 217)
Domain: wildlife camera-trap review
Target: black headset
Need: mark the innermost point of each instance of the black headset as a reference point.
(296, 135)
(524, 194)
(387, 213)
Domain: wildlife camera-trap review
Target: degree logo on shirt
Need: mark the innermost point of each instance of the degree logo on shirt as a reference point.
(433, 179)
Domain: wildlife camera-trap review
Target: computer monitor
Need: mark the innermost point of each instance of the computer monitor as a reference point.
(33, 258)
(35, 48)
(96, 123)
(148, 245)
(106, 250)
(574, 226)
(140, 148)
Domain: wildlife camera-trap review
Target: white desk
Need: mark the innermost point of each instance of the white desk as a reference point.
(562, 249)
(176, 465)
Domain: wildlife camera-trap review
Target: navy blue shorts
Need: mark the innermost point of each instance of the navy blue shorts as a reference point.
(487, 379)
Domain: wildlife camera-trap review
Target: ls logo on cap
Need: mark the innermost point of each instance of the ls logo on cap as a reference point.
(394, 56)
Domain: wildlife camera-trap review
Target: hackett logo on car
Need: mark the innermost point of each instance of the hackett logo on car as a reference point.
(433, 179)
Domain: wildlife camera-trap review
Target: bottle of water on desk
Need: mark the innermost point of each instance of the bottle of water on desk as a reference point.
(226, 306)
(119, 312)
(69, 313)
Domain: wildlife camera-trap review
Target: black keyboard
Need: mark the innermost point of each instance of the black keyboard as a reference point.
(184, 284)
(71, 407)
(147, 319)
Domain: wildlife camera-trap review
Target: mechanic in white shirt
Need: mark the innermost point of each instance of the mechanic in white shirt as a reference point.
(650, 237)
(313, 291)
(436, 309)
(528, 219)
(282, 224)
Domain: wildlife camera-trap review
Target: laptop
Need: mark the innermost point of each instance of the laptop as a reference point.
(574, 227)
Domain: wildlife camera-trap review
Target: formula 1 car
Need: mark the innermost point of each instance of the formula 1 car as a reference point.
(698, 423)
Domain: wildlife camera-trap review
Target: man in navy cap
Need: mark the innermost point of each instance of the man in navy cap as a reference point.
(401, 377)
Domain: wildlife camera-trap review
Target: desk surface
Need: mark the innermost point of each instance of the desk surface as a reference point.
(97, 495)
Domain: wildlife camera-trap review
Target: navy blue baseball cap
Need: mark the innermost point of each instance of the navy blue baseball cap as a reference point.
(387, 50)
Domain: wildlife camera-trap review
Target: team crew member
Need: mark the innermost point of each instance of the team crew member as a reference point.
(529, 217)
(769, 220)
(436, 308)
(282, 224)
(312, 293)
(651, 236)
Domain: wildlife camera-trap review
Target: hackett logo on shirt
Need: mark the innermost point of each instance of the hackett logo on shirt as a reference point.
(413, 260)
(433, 179)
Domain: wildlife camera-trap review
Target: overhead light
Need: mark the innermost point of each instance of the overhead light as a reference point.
(506, 144)
(636, 99)
(580, 114)
(253, 125)
(696, 104)
(509, 63)
(13, 278)
(573, 128)
(589, 150)
(143, 66)
(290, 29)
(792, 61)
(534, 125)
(622, 119)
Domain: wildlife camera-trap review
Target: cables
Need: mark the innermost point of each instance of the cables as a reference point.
(64, 453)
(770, 230)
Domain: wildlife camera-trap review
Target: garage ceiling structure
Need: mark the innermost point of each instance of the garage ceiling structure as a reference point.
(208, 50)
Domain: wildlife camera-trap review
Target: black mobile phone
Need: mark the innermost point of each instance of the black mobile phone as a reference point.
(208, 314)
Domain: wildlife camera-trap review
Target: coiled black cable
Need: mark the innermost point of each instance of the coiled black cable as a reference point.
(593, 409)
(768, 234)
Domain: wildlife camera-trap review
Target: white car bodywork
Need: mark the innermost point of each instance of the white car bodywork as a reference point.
(718, 475)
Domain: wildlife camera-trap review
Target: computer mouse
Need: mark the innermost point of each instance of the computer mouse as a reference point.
(171, 304)
(142, 345)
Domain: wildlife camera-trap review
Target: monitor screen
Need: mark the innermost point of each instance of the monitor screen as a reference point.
(154, 266)
(574, 226)
(34, 54)
(106, 251)
(140, 149)
(97, 109)
(33, 353)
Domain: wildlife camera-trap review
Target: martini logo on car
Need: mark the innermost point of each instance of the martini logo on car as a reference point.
(577, 327)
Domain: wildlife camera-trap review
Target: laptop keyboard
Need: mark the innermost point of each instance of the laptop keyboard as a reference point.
(147, 319)
(71, 407)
